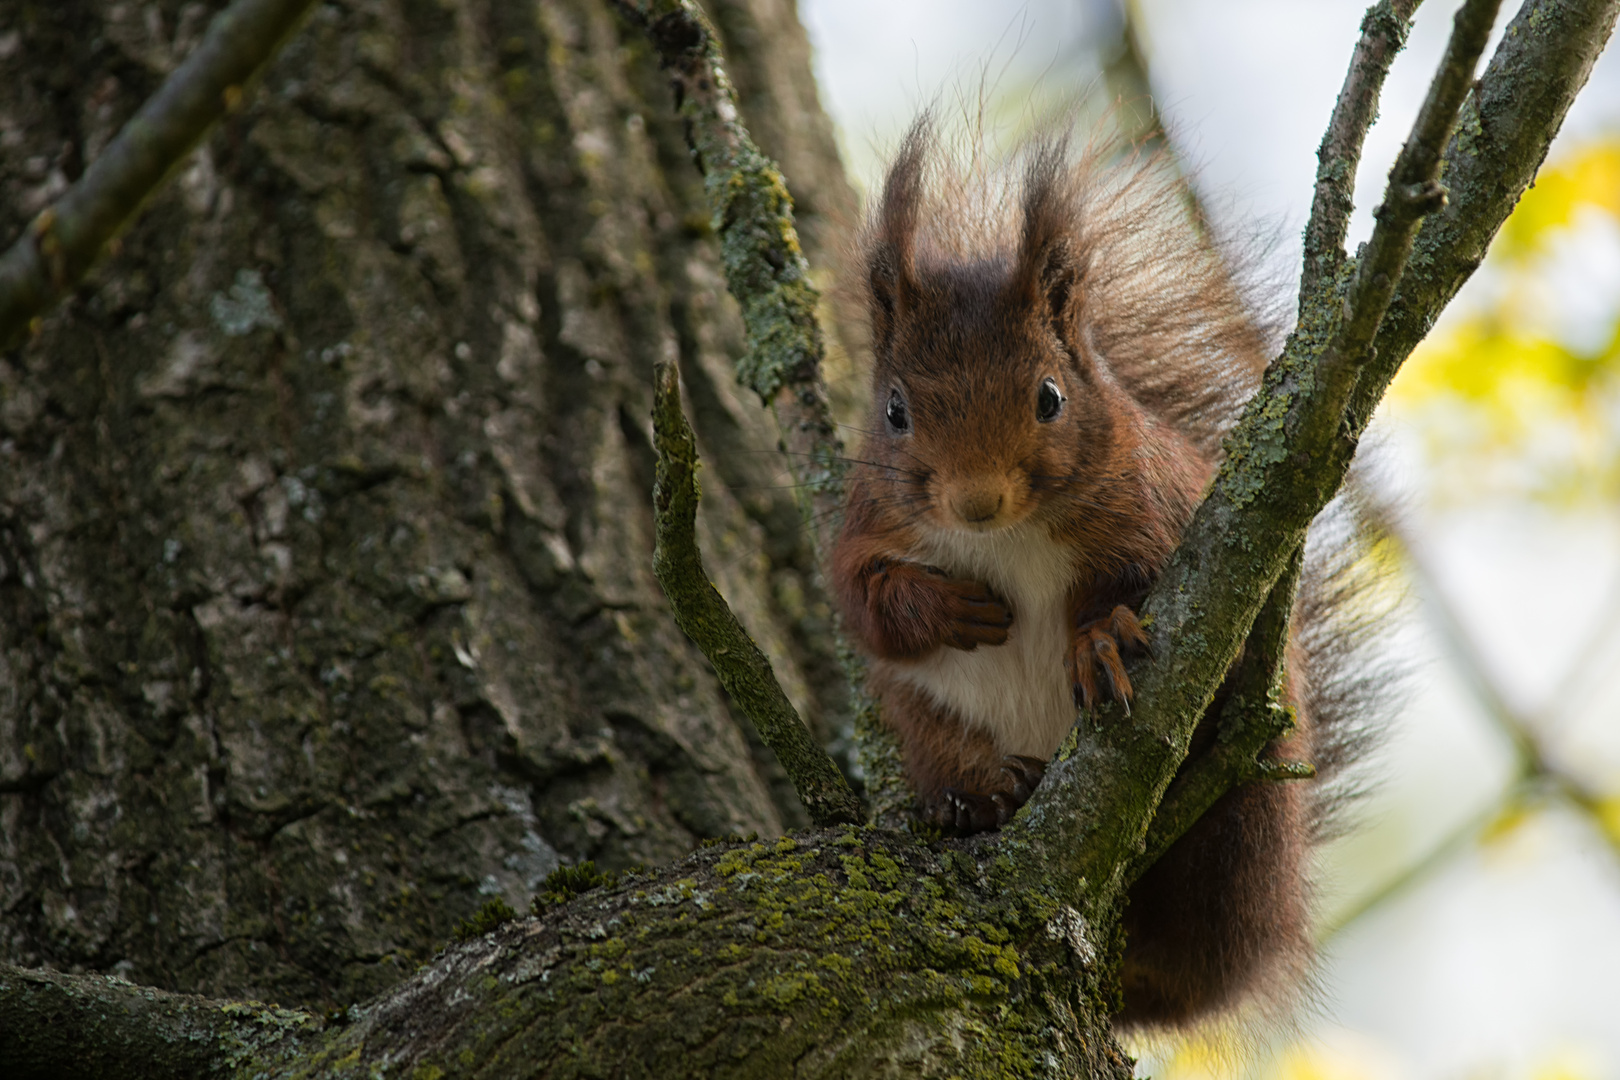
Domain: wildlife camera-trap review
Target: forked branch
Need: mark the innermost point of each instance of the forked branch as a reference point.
(1288, 454)
(1252, 716)
(1383, 35)
(1414, 191)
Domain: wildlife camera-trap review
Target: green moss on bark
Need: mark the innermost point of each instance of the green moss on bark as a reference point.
(843, 953)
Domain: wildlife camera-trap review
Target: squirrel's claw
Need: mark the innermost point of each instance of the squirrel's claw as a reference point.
(1097, 646)
(1026, 774)
(977, 616)
(967, 812)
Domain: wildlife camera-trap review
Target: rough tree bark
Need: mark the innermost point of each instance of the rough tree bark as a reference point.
(336, 517)
(326, 605)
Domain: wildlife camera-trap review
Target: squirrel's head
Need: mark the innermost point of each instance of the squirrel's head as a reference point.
(988, 393)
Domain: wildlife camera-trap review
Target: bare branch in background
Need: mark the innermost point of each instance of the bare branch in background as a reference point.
(1131, 82)
(65, 239)
(1535, 776)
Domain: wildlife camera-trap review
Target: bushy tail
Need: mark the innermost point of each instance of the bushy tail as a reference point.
(1351, 681)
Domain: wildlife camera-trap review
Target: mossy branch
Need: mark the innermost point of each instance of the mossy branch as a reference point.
(1252, 716)
(66, 1027)
(64, 240)
(1083, 831)
(766, 273)
(837, 953)
(704, 616)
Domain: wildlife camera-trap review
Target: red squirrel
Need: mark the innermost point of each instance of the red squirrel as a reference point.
(1055, 361)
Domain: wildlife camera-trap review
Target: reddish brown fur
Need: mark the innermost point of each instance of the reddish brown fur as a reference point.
(1097, 282)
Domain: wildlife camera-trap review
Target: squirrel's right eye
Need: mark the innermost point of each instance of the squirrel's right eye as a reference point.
(898, 415)
(1048, 401)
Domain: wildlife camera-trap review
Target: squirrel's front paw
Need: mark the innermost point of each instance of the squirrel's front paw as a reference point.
(974, 615)
(968, 812)
(1096, 649)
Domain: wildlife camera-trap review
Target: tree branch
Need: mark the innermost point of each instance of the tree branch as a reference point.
(1414, 191)
(706, 618)
(1501, 140)
(836, 953)
(65, 239)
(1383, 35)
(767, 274)
(64, 1027)
(1083, 828)
(765, 267)
(1249, 720)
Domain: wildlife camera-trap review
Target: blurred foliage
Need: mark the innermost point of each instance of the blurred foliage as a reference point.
(1517, 391)
(1224, 1056)
(1608, 816)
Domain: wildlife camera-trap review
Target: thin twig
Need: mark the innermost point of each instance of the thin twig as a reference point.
(65, 239)
(1414, 191)
(1383, 35)
(704, 615)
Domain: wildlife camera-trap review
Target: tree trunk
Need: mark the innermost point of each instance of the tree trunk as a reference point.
(326, 610)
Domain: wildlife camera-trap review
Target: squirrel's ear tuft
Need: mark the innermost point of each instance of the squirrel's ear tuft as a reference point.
(889, 261)
(1051, 264)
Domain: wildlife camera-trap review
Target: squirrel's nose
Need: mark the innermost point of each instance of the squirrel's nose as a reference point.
(977, 507)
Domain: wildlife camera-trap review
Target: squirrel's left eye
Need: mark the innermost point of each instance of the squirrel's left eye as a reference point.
(898, 415)
(1049, 402)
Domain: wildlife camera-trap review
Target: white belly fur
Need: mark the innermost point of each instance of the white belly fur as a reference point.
(1017, 692)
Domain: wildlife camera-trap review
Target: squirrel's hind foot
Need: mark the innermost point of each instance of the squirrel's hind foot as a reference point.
(1097, 648)
(968, 812)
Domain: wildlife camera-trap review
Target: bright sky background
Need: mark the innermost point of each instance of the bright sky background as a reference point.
(1506, 962)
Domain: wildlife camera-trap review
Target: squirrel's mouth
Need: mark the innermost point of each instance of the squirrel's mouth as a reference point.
(979, 506)
(1002, 518)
